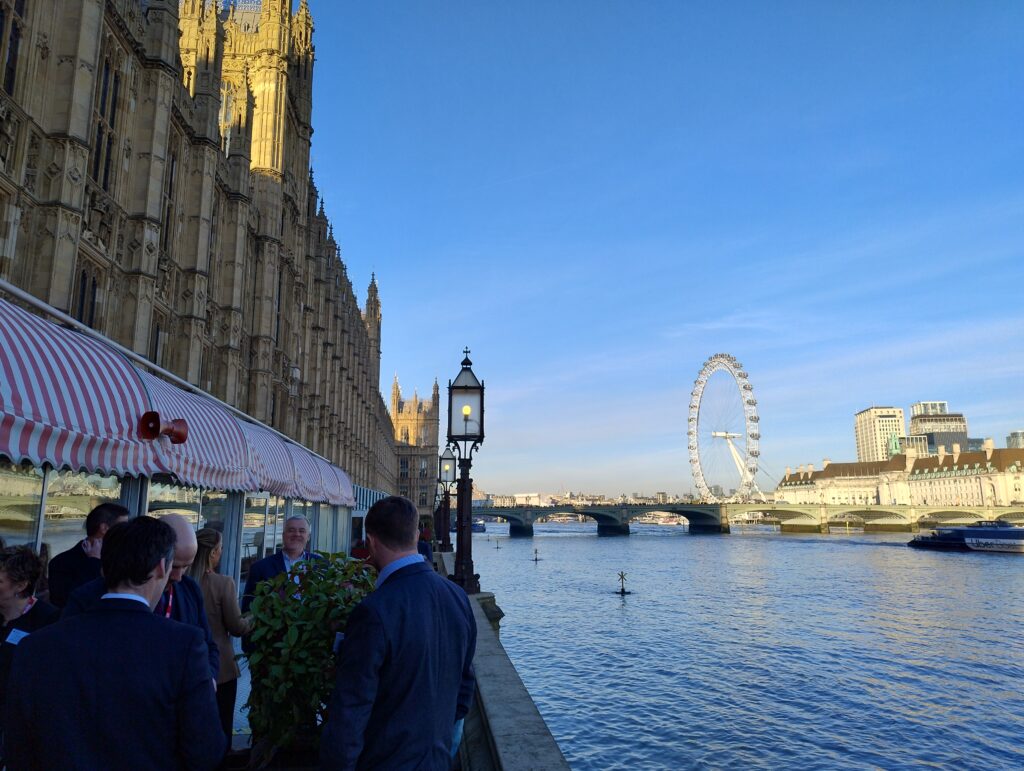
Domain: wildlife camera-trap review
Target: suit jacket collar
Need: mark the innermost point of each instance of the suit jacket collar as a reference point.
(117, 603)
(416, 567)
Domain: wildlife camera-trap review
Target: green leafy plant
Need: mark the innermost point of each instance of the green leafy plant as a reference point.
(291, 663)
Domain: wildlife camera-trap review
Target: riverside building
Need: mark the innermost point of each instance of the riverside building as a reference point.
(874, 428)
(942, 428)
(155, 185)
(989, 477)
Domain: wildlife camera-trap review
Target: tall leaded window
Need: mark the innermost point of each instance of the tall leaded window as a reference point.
(170, 179)
(86, 294)
(12, 30)
(105, 112)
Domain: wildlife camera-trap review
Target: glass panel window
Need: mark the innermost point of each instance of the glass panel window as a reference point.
(70, 496)
(275, 525)
(254, 529)
(325, 533)
(213, 512)
(174, 499)
(21, 488)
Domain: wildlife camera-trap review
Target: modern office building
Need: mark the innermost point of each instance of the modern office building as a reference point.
(900, 444)
(943, 429)
(1015, 440)
(929, 408)
(874, 428)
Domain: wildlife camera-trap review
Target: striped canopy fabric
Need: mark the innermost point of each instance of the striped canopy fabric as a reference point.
(308, 483)
(270, 463)
(336, 484)
(69, 400)
(73, 402)
(215, 455)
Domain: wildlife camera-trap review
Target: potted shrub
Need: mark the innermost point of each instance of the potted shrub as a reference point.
(291, 662)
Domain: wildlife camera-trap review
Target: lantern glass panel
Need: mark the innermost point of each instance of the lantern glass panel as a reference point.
(446, 467)
(465, 416)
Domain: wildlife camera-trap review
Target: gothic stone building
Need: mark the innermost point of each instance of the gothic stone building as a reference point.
(416, 430)
(155, 184)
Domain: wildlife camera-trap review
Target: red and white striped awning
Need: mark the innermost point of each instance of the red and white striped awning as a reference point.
(336, 484)
(69, 400)
(215, 455)
(285, 468)
(73, 402)
(319, 481)
(269, 460)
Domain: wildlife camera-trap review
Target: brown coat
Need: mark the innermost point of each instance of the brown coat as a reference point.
(225, 617)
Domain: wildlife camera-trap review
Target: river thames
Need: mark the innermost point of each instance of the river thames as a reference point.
(762, 650)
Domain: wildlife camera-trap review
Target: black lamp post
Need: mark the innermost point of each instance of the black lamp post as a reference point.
(465, 434)
(445, 478)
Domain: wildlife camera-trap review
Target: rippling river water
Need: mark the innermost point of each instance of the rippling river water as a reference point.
(761, 650)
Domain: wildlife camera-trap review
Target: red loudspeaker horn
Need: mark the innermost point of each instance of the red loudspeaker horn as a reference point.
(150, 427)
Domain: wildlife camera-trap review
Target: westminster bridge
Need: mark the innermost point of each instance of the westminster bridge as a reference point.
(792, 518)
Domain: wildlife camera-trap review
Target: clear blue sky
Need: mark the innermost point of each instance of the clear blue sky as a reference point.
(596, 195)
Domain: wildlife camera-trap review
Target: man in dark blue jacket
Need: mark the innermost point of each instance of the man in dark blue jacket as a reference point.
(181, 601)
(75, 704)
(293, 542)
(405, 668)
(81, 563)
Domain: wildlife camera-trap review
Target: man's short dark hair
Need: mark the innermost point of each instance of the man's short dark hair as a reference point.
(20, 563)
(394, 521)
(133, 549)
(104, 514)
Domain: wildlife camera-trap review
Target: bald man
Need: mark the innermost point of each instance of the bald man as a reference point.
(181, 601)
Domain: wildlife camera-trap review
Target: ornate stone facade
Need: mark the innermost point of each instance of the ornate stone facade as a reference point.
(155, 184)
(416, 440)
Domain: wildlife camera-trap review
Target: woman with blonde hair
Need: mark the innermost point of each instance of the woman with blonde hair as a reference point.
(221, 600)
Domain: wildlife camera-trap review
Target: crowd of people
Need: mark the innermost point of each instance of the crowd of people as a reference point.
(129, 664)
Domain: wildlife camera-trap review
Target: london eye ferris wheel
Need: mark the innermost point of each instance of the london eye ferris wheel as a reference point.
(723, 432)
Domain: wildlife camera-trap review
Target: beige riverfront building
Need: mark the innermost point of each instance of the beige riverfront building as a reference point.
(155, 184)
(991, 477)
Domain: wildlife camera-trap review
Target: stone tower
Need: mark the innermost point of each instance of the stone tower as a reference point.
(416, 440)
(372, 319)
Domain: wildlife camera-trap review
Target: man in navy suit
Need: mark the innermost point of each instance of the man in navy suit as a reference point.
(405, 668)
(118, 686)
(295, 539)
(181, 601)
(81, 563)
